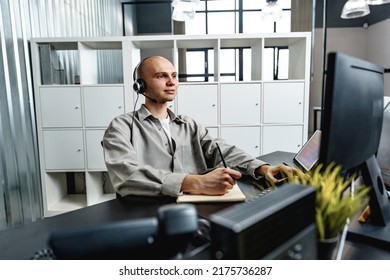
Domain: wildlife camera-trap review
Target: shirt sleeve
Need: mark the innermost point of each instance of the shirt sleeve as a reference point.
(239, 159)
(234, 156)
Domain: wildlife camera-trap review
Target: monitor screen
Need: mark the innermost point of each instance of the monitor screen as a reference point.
(353, 111)
(384, 145)
(351, 131)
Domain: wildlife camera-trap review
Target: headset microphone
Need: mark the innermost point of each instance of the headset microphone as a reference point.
(154, 100)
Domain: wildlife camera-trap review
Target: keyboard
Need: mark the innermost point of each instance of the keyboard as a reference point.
(261, 194)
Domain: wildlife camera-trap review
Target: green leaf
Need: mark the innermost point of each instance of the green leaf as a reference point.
(334, 205)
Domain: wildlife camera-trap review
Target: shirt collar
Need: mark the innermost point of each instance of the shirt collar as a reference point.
(143, 113)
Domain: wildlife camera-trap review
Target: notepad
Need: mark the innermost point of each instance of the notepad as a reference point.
(234, 195)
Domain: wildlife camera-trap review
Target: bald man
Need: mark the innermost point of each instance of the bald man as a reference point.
(154, 152)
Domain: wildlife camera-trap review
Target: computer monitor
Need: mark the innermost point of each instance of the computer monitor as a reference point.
(351, 131)
(384, 145)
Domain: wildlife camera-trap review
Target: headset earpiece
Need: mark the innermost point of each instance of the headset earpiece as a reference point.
(139, 86)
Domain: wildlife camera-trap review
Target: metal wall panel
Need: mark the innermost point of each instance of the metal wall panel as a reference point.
(20, 187)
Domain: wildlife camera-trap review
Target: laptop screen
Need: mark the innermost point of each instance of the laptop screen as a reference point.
(309, 153)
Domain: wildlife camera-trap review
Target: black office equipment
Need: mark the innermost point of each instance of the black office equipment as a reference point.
(351, 130)
(163, 237)
(279, 225)
(384, 145)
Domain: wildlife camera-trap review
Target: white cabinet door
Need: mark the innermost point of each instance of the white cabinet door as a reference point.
(199, 102)
(245, 138)
(95, 158)
(213, 131)
(240, 103)
(282, 138)
(60, 106)
(63, 149)
(102, 104)
(284, 102)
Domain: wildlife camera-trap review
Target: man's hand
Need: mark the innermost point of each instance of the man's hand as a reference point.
(270, 171)
(216, 182)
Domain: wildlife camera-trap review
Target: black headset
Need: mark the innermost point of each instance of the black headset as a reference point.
(139, 85)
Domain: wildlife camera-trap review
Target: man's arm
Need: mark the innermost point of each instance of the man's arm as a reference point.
(270, 171)
(216, 182)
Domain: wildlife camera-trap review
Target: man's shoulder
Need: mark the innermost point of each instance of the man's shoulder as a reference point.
(185, 118)
(122, 120)
(123, 117)
(190, 123)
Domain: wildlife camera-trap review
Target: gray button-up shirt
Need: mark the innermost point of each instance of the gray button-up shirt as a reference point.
(142, 160)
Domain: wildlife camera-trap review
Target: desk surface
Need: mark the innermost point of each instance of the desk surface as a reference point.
(24, 241)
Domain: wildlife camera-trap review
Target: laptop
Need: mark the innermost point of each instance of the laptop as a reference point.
(308, 155)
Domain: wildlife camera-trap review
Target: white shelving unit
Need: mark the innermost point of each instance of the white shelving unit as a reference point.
(258, 114)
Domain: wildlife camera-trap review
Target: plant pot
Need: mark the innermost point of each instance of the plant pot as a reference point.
(326, 248)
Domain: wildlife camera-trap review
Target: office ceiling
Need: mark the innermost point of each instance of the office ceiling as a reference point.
(334, 8)
(153, 19)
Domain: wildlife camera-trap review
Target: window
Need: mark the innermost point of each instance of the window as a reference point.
(275, 64)
(200, 65)
(237, 16)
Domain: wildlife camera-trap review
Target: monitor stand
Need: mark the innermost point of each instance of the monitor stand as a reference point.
(376, 231)
(368, 233)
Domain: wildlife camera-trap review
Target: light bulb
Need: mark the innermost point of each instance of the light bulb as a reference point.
(355, 9)
(272, 11)
(184, 9)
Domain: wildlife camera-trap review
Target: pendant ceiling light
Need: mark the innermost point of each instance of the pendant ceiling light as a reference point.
(355, 9)
(272, 11)
(184, 9)
(377, 2)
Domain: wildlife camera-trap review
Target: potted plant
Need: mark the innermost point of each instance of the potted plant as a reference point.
(335, 202)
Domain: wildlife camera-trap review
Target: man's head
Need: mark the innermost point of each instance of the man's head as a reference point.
(156, 78)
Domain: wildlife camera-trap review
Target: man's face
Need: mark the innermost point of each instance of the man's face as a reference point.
(161, 79)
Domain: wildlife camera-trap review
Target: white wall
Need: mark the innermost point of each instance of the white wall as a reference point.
(351, 41)
(370, 43)
(378, 48)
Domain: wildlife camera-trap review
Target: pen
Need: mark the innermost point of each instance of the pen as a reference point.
(281, 180)
(221, 155)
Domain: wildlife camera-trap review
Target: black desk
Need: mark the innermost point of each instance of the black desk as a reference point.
(22, 242)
